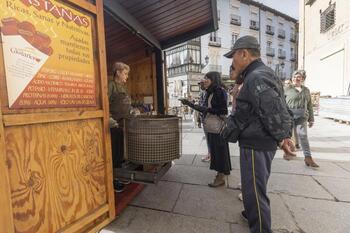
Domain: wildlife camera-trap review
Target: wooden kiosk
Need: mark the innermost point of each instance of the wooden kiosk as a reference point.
(55, 150)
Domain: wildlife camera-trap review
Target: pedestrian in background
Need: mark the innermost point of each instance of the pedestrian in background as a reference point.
(298, 99)
(202, 97)
(261, 123)
(215, 103)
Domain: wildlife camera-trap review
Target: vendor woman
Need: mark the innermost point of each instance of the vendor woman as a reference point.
(119, 107)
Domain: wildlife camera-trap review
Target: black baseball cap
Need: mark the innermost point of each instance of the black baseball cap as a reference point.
(244, 42)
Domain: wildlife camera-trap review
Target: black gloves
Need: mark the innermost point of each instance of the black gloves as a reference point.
(196, 107)
(186, 102)
(199, 108)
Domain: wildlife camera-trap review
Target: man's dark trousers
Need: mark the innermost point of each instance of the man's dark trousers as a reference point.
(255, 172)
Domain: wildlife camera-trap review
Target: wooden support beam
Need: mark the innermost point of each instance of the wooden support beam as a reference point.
(38, 118)
(105, 103)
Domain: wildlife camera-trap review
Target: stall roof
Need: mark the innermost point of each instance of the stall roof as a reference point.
(163, 23)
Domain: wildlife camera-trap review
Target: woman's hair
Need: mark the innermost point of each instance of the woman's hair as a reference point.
(119, 66)
(302, 73)
(215, 78)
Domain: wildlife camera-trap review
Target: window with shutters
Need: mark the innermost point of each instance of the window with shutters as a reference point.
(328, 18)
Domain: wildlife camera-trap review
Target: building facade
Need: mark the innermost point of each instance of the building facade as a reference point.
(275, 31)
(324, 52)
(184, 68)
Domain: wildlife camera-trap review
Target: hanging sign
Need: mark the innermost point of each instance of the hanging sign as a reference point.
(48, 54)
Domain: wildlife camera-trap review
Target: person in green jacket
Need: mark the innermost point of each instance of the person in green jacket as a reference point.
(298, 99)
(119, 108)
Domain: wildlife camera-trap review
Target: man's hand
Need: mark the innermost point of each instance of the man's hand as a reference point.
(311, 124)
(287, 145)
(113, 123)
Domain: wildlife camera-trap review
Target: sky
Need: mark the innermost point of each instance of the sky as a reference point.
(288, 7)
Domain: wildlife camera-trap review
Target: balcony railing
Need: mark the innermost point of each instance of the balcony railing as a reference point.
(270, 51)
(195, 41)
(270, 30)
(281, 34)
(254, 26)
(283, 75)
(236, 20)
(309, 2)
(293, 37)
(281, 54)
(184, 68)
(215, 41)
(217, 68)
(293, 57)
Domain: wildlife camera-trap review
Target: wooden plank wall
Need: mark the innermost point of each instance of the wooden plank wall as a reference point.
(142, 76)
(57, 173)
(55, 163)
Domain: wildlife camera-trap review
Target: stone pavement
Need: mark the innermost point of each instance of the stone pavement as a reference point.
(302, 199)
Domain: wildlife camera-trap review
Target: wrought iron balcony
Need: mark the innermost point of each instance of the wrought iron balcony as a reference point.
(215, 41)
(270, 52)
(293, 37)
(281, 34)
(236, 20)
(293, 57)
(254, 26)
(281, 54)
(217, 68)
(184, 68)
(309, 2)
(195, 41)
(270, 30)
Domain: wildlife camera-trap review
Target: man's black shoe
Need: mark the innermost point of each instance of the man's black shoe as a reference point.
(244, 216)
(118, 187)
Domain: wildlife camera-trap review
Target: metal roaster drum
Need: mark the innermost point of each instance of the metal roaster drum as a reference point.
(152, 139)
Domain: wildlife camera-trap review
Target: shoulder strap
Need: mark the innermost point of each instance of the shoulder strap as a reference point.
(209, 100)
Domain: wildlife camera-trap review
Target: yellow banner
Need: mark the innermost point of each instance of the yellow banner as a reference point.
(48, 53)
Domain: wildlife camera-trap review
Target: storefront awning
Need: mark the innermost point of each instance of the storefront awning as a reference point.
(164, 23)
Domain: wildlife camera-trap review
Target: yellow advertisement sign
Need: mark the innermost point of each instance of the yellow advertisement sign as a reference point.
(48, 54)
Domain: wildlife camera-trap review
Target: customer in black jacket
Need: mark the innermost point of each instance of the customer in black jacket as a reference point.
(215, 103)
(261, 123)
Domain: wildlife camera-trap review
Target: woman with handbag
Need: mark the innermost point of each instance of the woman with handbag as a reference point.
(214, 110)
